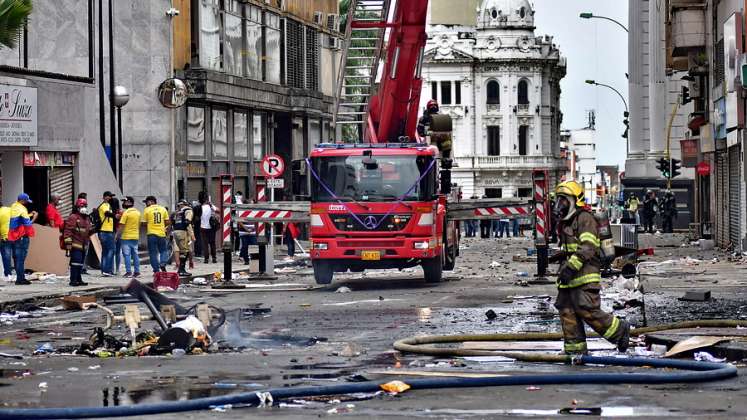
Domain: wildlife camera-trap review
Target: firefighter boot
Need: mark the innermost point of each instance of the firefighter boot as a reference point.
(624, 341)
(182, 268)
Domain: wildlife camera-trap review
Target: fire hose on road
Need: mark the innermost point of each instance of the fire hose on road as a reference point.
(689, 372)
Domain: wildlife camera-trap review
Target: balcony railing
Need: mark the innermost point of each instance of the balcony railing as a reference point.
(508, 162)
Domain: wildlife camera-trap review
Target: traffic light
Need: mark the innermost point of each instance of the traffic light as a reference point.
(626, 123)
(685, 98)
(675, 168)
(663, 167)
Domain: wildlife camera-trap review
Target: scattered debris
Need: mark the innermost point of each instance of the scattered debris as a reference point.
(44, 349)
(696, 296)
(693, 343)
(522, 274)
(491, 315)
(77, 303)
(704, 356)
(352, 350)
(343, 289)
(533, 388)
(489, 359)
(495, 264)
(395, 387)
(199, 280)
(43, 385)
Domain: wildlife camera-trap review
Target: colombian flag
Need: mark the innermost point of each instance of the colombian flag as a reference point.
(20, 223)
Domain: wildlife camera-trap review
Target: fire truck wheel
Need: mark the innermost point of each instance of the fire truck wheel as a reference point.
(433, 270)
(322, 272)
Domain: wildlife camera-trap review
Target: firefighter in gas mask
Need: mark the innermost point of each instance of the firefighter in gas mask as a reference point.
(579, 276)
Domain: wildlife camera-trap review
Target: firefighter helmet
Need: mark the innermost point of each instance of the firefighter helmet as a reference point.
(572, 190)
(432, 105)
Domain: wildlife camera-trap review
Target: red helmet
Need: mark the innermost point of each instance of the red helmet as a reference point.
(81, 202)
(432, 105)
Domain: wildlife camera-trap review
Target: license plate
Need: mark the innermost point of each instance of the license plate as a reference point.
(370, 255)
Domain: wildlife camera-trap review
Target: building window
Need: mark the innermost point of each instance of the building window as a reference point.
(233, 38)
(458, 93)
(312, 58)
(253, 52)
(271, 55)
(494, 93)
(434, 91)
(522, 12)
(523, 140)
(209, 18)
(525, 192)
(295, 54)
(523, 94)
(493, 192)
(220, 135)
(494, 141)
(196, 132)
(240, 136)
(257, 134)
(446, 93)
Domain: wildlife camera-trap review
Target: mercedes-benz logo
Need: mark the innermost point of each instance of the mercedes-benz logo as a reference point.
(369, 222)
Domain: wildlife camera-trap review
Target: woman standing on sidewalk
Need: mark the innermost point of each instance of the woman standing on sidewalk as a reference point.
(76, 236)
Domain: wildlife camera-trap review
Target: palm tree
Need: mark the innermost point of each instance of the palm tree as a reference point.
(13, 17)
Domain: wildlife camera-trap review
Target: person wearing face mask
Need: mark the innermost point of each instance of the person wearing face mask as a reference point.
(76, 236)
(579, 276)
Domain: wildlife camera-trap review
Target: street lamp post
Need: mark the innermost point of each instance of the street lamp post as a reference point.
(627, 113)
(121, 97)
(589, 15)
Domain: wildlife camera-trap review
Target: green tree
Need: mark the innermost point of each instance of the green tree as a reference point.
(13, 17)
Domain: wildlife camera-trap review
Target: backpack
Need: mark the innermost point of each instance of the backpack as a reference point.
(96, 221)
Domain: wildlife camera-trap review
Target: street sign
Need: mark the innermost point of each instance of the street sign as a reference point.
(275, 183)
(273, 166)
(703, 168)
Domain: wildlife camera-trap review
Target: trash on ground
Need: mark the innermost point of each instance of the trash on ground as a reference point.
(533, 388)
(696, 296)
(44, 349)
(199, 280)
(491, 315)
(343, 289)
(704, 356)
(693, 343)
(77, 303)
(495, 264)
(395, 387)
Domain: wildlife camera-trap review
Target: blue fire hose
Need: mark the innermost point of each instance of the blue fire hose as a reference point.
(691, 371)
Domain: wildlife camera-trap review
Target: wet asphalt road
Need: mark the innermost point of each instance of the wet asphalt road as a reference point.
(321, 337)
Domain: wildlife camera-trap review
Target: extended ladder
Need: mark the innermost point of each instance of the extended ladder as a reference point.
(361, 54)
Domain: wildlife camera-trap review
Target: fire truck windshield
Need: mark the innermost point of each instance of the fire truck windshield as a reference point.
(372, 178)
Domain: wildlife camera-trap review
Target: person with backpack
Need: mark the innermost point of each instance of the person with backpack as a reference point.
(156, 218)
(183, 235)
(103, 219)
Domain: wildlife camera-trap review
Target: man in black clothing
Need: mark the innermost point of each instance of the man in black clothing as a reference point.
(668, 209)
(650, 207)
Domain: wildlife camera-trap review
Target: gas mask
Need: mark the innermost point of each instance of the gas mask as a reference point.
(563, 208)
(83, 210)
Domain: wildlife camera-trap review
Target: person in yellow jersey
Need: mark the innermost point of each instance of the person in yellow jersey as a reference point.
(129, 233)
(156, 218)
(6, 249)
(579, 277)
(104, 220)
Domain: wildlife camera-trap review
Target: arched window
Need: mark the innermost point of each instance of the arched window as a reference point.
(494, 14)
(494, 93)
(522, 12)
(523, 92)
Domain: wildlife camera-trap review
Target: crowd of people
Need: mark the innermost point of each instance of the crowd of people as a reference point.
(644, 212)
(190, 230)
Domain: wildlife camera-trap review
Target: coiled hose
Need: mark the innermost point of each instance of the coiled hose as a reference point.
(691, 371)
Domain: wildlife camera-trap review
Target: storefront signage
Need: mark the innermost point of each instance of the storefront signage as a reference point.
(689, 148)
(18, 116)
(195, 169)
(703, 168)
(48, 159)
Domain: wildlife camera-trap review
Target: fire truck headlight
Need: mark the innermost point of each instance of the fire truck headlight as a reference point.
(426, 219)
(420, 245)
(320, 245)
(316, 220)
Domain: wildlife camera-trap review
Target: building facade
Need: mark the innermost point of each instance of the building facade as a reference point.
(501, 85)
(659, 120)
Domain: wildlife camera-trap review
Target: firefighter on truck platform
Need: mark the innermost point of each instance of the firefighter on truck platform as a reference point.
(579, 276)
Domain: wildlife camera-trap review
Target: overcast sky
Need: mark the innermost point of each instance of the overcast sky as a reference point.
(595, 49)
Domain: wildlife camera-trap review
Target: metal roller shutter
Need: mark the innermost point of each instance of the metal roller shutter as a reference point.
(735, 200)
(194, 187)
(61, 181)
(722, 208)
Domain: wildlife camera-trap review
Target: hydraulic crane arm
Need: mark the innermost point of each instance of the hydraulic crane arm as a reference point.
(393, 110)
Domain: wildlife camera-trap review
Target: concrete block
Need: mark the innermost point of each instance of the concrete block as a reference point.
(706, 244)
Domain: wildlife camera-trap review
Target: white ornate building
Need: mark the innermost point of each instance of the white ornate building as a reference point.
(501, 85)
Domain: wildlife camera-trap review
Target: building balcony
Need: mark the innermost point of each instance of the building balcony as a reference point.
(688, 29)
(522, 109)
(508, 162)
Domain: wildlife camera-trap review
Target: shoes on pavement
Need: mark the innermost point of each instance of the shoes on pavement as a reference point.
(185, 274)
(215, 261)
(105, 274)
(207, 261)
(79, 283)
(163, 268)
(127, 275)
(136, 275)
(22, 282)
(624, 342)
(246, 262)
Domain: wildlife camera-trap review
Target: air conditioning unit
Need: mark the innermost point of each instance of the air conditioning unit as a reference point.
(318, 17)
(333, 42)
(333, 22)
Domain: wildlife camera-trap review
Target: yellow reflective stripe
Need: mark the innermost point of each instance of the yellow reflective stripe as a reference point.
(575, 347)
(613, 328)
(581, 280)
(570, 247)
(575, 262)
(589, 237)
